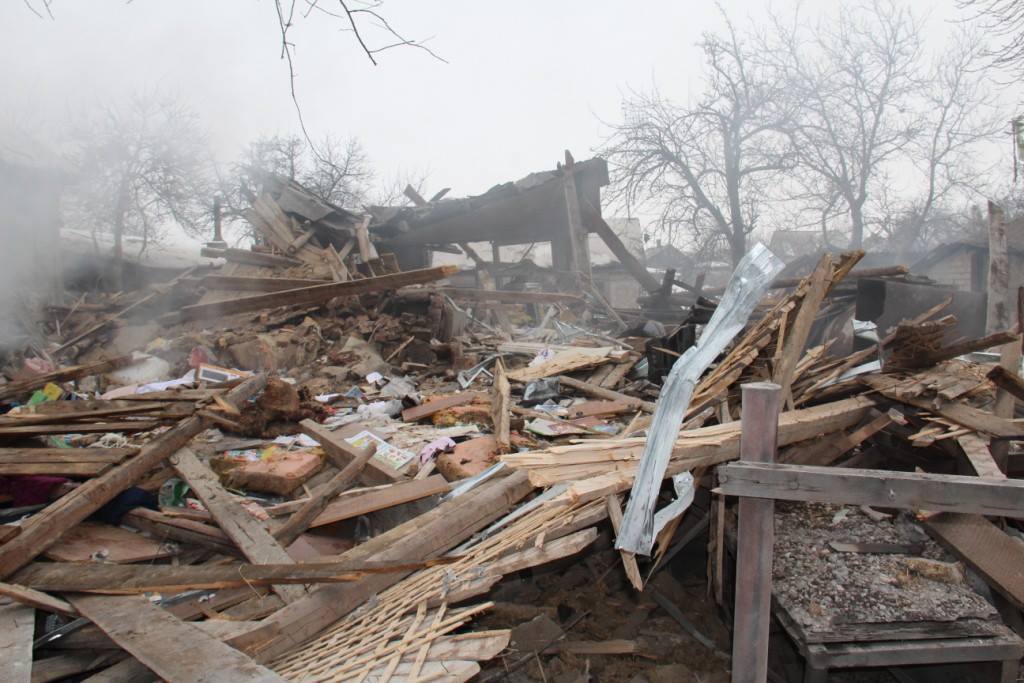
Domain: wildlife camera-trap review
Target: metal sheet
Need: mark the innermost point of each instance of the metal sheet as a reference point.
(747, 285)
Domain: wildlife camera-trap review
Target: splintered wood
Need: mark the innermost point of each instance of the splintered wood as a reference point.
(402, 624)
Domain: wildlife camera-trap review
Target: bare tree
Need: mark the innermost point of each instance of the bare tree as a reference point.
(337, 171)
(708, 166)
(142, 168)
(1003, 20)
(854, 80)
(959, 114)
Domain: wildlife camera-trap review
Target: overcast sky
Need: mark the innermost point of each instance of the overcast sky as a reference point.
(525, 80)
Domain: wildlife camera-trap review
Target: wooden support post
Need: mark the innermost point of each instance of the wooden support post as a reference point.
(579, 248)
(998, 318)
(755, 539)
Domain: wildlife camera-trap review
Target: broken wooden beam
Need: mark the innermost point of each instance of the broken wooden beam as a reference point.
(601, 392)
(17, 388)
(341, 453)
(128, 579)
(436, 405)
(257, 284)
(426, 536)
(1008, 380)
(302, 518)
(306, 295)
(504, 296)
(44, 529)
(986, 548)
(251, 258)
(364, 501)
(248, 533)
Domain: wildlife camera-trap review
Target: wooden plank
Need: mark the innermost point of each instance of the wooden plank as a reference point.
(355, 504)
(245, 531)
(800, 330)
(983, 546)
(562, 362)
(428, 535)
(755, 538)
(509, 297)
(129, 426)
(302, 518)
(500, 401)
(961, 413)
(17, 388)
(900, 653)
(252, 258)
(126, 579)
(17, 627)
(37, 599)
(43, 529)
(601, 392)
(115, 544)
(976, 448)
(342, 453)
(159, 641)
(827, 451)
(73, 415)
(614, 506)
(257, 284)
(64, 666)
(16, 456)
(579, 249)
(877, 488)
(366, 250)
(1008, 380)
(74, 470)
(436, 405)
(163, 527)
(306, 295)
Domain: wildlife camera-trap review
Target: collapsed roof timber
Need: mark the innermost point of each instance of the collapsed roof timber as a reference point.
(333, 457)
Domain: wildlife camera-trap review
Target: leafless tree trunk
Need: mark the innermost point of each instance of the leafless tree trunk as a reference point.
(707, 165)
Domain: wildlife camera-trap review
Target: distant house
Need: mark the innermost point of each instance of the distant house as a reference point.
(792, 244)
(964, 264)
(665, 257)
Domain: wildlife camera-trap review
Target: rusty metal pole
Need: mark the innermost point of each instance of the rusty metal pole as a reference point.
(755, 539)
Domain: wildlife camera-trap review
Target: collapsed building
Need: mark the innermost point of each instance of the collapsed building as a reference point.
(335, 457)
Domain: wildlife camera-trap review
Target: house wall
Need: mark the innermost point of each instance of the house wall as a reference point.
(620, 289)
(955, 270)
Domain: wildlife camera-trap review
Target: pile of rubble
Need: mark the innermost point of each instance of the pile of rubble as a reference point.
(313, 465)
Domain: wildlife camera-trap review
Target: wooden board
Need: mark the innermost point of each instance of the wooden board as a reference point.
(159, 640)
(357, 503)
(305, 295)
(127, 579)
(877, 488)
(559, 364)
(17, 627)
(341, 453)
(247, 532)
(110, 543)
(436, 405)
(983, 546)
